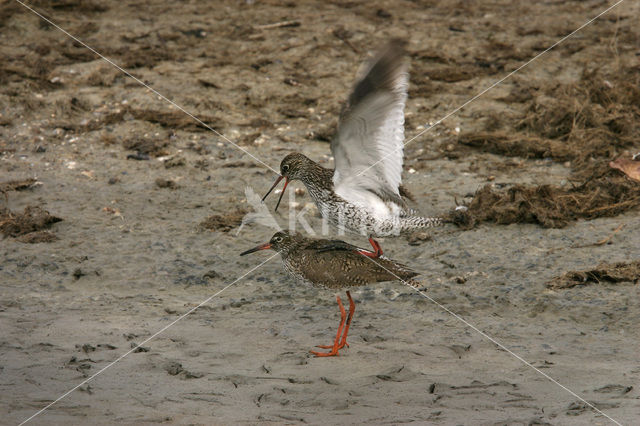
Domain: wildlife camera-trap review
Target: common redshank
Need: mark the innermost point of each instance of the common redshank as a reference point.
(363, 193)
(332, 264)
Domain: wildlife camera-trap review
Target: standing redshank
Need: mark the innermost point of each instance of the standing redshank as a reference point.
(363, 194)
(332, 264)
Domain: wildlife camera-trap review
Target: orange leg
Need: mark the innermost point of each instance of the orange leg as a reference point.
(343, 342)
(377, 250)
(352, 309)
(334, 348)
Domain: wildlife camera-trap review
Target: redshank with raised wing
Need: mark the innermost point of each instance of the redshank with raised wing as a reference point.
(363, 193)
(332, 264)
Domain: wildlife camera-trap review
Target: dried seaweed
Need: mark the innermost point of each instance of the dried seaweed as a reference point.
(166, 183)
(588, 123)
(224, 222)
(604, 272)
(33, 219)
(520, 145)
(18, 185)
(146, 145)
(604, 195)
(38, 237)
(71, 5)
(170, 119)
(174, 119)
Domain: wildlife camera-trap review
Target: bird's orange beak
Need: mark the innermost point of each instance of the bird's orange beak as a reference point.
(265, 246)
(286, 182)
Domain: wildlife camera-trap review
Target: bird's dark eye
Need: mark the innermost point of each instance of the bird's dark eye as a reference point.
(278, 239)
(285, 168)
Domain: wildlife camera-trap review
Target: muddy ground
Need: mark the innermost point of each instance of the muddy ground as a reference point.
(543, 261)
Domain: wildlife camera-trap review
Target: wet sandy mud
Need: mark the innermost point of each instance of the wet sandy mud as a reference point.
(119, 213)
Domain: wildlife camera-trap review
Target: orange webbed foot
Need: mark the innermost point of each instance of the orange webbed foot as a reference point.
(345, 321)
(340, 346)
(321, 354)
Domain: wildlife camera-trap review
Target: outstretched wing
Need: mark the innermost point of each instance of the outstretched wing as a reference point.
(368, 147)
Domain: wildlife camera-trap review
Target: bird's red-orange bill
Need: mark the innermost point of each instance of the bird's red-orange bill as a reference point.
(286, 182)
(265, 246)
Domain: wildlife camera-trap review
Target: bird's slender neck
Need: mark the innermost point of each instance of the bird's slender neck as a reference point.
(317, 177)
(287, 249)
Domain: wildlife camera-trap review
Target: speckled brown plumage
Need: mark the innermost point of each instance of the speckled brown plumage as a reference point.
(333, 264)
